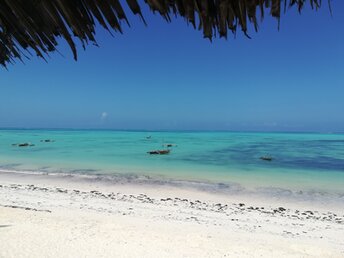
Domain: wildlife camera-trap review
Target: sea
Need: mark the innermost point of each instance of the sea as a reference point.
(303, 164)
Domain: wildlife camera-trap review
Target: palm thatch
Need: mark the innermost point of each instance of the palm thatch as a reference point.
(37, 24)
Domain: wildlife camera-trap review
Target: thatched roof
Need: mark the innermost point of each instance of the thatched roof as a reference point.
(35, 25)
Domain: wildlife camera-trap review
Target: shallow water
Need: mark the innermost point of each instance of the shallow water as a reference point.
(313, 163)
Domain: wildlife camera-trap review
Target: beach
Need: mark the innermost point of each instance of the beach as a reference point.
(76, 216)
(89, 193)
(140, 139)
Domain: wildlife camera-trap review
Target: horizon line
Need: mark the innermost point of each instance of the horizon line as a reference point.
(166, 130)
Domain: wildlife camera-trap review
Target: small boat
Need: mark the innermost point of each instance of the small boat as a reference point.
(168, 145)
(266, 158)
(159, 152)
(26, 144)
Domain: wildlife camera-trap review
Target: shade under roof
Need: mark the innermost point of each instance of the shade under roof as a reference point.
(34, 26)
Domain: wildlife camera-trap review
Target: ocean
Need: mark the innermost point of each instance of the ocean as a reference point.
(303, 163)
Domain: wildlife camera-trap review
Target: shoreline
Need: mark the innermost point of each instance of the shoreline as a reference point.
(163, 220)
(229, 191)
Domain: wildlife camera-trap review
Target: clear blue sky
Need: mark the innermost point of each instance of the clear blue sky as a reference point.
(166, 76)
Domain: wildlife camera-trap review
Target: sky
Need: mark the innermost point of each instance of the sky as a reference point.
(166, 76)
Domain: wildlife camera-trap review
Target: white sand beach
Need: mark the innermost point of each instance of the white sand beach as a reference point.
(61, 216)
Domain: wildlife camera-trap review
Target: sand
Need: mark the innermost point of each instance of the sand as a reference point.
(61, 216)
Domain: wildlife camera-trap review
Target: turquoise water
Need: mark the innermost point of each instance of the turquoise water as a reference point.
(302, 162)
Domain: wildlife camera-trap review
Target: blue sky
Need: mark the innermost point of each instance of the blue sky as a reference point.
(166, 76)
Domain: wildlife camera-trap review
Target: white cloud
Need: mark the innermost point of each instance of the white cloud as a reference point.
(103, 115)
